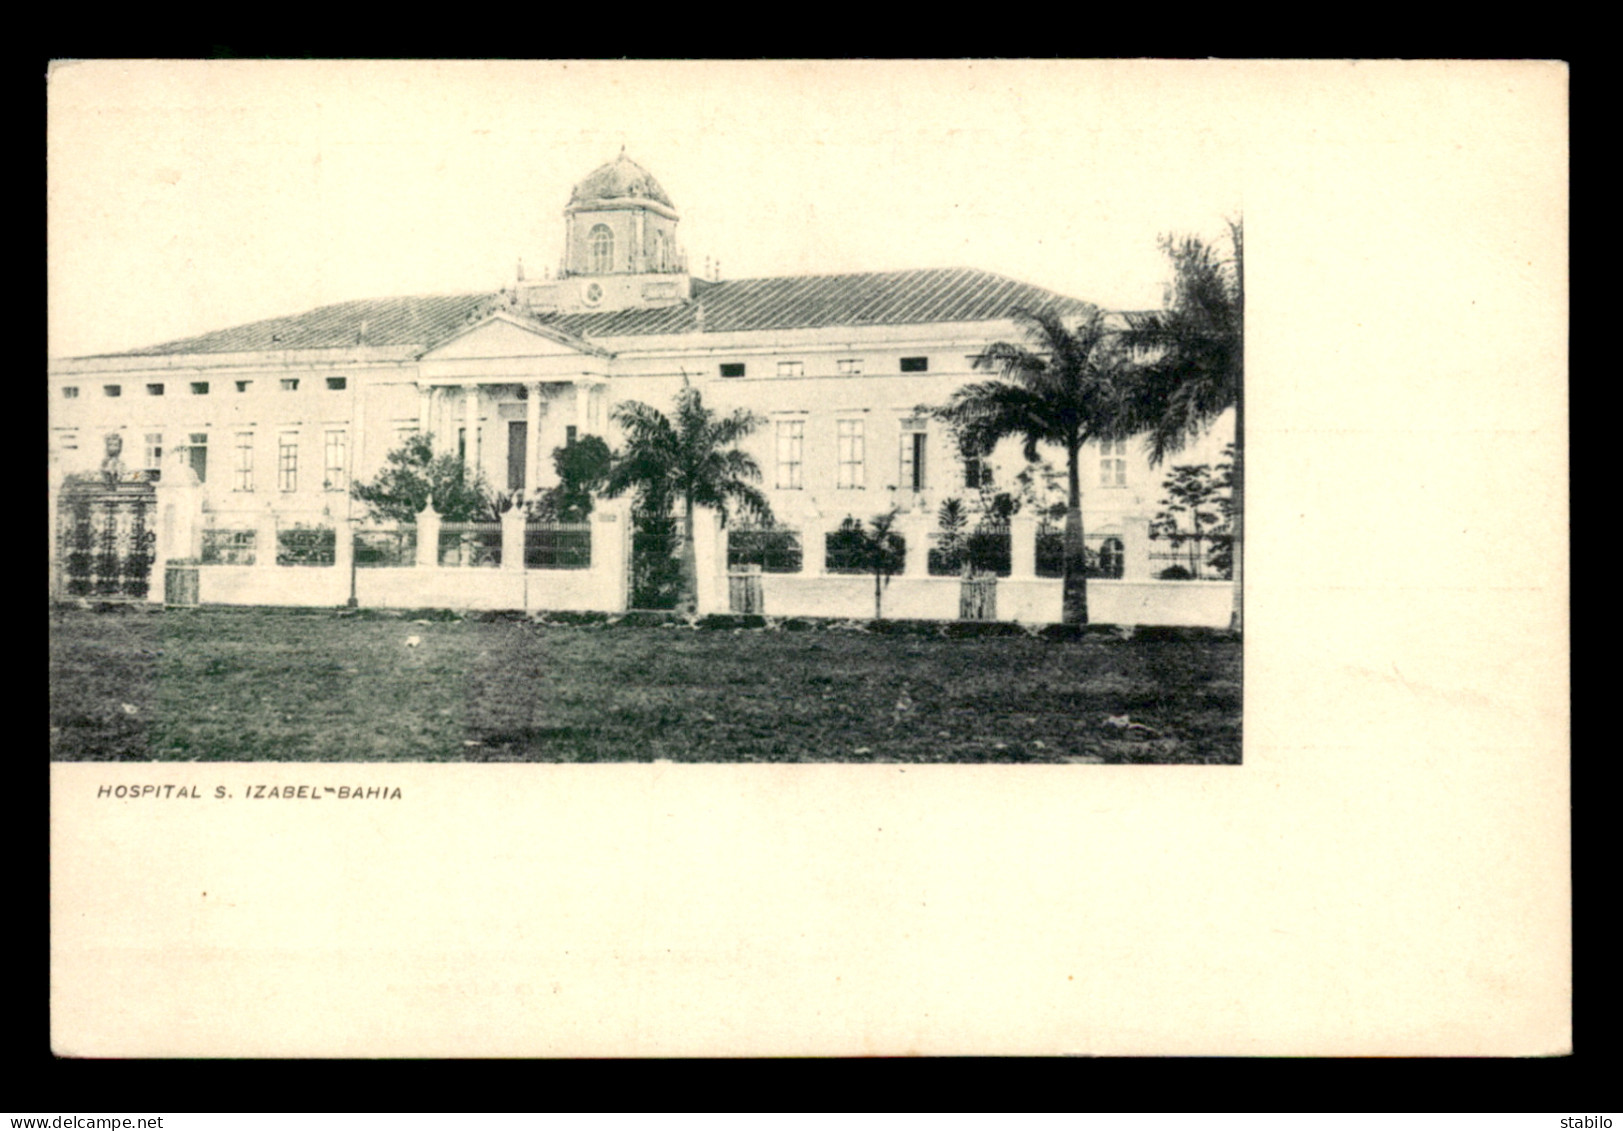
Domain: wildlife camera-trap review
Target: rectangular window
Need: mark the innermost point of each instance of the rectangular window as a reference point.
(849, 366)
(334, 461)
(791, 369)
(244, 478)
(1113, 463)
(112, 390)
(733, 369)
(155, 390)
(70, 392)
(570, 432)
(912, 478)
(337, 383)
(200, 388)
(287, 462)
(915, 364)
(244, 386)
(791, 438)
(851, 454)
(197, 452)
(290, 384)
(154, 451)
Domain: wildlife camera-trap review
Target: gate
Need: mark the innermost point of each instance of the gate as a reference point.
(105, 539)
(744, 589)
(977, 597)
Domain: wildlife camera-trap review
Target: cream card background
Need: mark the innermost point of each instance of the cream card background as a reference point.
(1386, 874)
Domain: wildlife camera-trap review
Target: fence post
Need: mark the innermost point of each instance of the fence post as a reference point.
(710, 562)
(343, 549)
(1023, 547)
(813, 548)
(513, 539)
(915, 530)
(1135, 548)
(266, 546)
(611, 547)
(428, 537)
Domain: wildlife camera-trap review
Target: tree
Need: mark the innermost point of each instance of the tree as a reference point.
(1191, 358)
(1194, 513)
(875, 548)
(1067, 386)
(690, 459)
(412, 473)
(583, 467)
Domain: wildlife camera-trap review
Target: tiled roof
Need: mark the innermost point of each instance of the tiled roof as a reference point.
(882, 298)
(878, 298)
(420, 320)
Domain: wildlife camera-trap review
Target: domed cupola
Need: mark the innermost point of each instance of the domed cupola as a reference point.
(620, 246)
(620, 183)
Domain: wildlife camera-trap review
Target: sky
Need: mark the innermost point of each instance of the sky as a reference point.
(185, 197)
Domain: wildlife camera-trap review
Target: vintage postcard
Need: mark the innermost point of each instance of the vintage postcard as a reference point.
(808, 558)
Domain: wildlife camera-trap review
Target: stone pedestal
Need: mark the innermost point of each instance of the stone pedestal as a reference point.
(513, 540)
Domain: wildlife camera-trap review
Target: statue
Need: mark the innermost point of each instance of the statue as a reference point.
(112, 467)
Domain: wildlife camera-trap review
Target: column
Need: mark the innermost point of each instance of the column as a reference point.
(532, 433)
(1023, 547)
(583, 407)
(428, 537)
(470, 398)
(425, 409)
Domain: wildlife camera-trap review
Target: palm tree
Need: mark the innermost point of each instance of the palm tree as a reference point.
(689, 458)
(1066, 387)
(1191, 357)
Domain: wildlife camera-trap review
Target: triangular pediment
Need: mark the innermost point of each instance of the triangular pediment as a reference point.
(502, 335)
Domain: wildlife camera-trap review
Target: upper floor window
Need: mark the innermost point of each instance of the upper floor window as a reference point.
(1113, 463)
(732, 369)
(112, 390)
(852, 453)
(791, 441)
(791, 369)
(154, 451)
(337, 383)
(200, 388)
(155, 390)
(70, 392)
(600, 241)
(915, 365)
(849, 366)
(290, 384)
(244, 386)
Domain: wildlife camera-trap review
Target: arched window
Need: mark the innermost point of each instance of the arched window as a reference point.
(601, 241)
(1112, 555)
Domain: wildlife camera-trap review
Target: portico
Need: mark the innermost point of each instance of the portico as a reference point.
(506, 392)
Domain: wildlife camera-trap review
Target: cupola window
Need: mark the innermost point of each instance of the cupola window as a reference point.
(601, 242)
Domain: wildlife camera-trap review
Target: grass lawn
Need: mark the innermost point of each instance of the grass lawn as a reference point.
(310, 685)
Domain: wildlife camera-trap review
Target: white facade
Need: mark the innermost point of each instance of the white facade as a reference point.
(279, 417)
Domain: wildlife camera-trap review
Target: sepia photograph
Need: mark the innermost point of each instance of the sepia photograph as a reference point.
(787, 558)
(431, 430)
